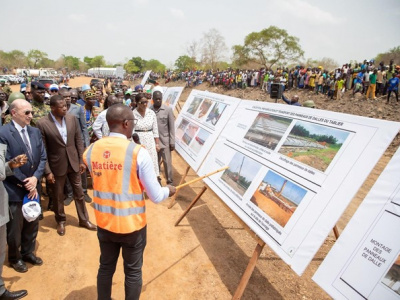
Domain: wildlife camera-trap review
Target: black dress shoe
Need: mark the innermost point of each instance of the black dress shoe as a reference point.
(61, 229)
(87, 225)
(88, 199)
(68, 201)
(7, 295)
(33, 259)
(19, 266)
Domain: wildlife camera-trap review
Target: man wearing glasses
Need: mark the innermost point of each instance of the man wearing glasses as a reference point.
(21, 138)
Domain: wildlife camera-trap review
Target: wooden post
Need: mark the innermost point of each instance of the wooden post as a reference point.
(191, 205)
(172, 202)
(336, 232)
(249, 270)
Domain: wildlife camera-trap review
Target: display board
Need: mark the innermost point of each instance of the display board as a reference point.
(199, 123)
(365, 262)
(145, 77)
(171, 96)
(293, 170)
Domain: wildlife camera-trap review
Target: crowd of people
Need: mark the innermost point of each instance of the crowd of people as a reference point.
(365, 78)
(56, 136)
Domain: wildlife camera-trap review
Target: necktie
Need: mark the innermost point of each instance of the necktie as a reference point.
(27, 144)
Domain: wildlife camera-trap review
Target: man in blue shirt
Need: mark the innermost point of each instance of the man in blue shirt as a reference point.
(393, 86)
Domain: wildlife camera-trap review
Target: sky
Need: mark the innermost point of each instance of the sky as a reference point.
(343, 30)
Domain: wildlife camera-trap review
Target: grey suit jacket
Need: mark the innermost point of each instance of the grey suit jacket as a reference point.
(5, 171)
(78, 112)
(166, 126)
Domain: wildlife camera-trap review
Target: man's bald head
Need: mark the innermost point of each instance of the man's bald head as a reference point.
(18, 104)
(120, 119)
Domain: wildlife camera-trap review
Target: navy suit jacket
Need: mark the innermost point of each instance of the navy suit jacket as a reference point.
(10, 136)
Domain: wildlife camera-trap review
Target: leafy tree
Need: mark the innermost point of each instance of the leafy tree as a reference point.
(185, 62)
(98, 61)
(35, 57)
(269, 46)
(131, 68)
(139, 62)
(300, 131)
(155, 65)
(241, 55)
(71, 62)
(213, 48)
(88, 60)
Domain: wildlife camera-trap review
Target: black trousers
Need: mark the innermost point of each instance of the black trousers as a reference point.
(132, 245)
(20, 233)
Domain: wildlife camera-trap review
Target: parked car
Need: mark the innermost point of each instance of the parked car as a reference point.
(45, 80)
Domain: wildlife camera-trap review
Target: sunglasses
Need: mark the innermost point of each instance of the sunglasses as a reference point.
(29, 112)
(53, 91)
(28, 93)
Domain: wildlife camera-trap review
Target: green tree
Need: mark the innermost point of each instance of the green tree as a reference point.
(269, 46)
(155, 65)
(35, 57)
(131, 68)
(139, 62)
(71, 62)
(98, 61)
(88, 60)
(184, 62)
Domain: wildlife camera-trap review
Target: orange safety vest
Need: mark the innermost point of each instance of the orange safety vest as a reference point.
(117, 193)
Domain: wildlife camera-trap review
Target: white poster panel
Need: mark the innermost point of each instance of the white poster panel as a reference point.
(198, 125)
(171, 96)
(293, 170)
(365, 262)
(145, 77)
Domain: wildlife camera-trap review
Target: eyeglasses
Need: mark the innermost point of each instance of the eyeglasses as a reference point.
(29, 112)
(74, 97)
(28, 93)
(134, 121)
(53, 91)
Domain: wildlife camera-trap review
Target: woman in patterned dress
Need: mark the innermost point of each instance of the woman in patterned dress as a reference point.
(147, 128)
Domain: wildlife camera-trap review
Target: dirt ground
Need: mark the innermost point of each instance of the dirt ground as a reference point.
(202, 258)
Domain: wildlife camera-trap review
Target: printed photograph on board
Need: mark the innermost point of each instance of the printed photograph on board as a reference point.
(181, 129)
(199, 140)
(313, 145)
(392, 277)
(171, 99)
(189, 133)
(278, 197)
(194, 105)
(203, 109)
(216, 113)
(240, 173)
(267, 130)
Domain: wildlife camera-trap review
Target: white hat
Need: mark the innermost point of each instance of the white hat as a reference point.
(31, 208)
(46, 95)
(53, 87)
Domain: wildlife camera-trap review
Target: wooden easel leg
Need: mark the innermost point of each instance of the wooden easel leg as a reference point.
(182, 180)
(249, 270)
(336, 232)
(191, 205)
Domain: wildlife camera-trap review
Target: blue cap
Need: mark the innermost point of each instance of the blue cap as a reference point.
(37, 85)
(85, 87)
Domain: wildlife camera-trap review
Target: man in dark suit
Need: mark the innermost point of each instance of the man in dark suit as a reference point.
(21, 138)
(64, 145)
(79, 114)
